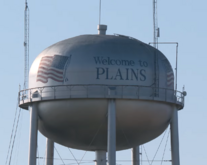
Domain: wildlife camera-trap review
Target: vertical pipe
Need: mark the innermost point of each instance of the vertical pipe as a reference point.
(19, 94)
(49, 152)
(33, 134)
(111, 132)
(100, 157)
(135, 156)
(176, 71)
(154, 26)
(99, 12)
(175, 138)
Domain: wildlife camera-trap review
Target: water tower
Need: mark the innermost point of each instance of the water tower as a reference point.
(101, 93)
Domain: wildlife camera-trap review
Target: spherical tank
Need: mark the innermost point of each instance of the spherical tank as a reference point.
(75, 78)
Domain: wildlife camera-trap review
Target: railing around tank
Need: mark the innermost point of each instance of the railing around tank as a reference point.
(100, 91)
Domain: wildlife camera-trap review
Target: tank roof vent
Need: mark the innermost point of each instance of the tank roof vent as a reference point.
(102, 29)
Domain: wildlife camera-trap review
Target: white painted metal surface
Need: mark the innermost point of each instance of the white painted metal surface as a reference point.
(49, 152)
(102, 29)
(33, 134)
(74, 79)
(49, 93)
(175, 138)
(75, 116)
(100, 59)
(135, 156)
(111, 146)
(100, 157)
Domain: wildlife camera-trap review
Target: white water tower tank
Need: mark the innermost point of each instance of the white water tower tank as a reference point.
(71, 81)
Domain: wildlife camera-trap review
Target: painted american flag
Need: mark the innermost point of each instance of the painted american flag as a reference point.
(52, 67)
(170, 78)
(169, 74)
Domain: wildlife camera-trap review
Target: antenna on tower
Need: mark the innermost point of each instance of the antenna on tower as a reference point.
(99, 12)
(26, 45)
(155, 24)
(156, 34)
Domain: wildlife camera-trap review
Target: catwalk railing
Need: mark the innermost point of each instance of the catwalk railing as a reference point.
(100, 91)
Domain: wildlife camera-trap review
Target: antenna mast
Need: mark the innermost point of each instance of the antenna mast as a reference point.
(26, 45)
(155, 24)
(99, 12)
(156, 34)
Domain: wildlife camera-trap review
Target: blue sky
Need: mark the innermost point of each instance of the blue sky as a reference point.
(182, 21)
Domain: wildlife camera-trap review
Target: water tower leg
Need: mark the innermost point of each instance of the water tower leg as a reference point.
(33, 134)
(111, 146)
(175, 138)
(100, 157)
(49, 152)
(135, 156)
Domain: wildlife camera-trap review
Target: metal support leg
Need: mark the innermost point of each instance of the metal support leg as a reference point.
(100, 157)
(111, 132)
(33, 134)
(175, 138)
(49, 152)
(135, 156)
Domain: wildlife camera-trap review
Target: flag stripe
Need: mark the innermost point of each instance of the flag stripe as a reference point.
(47, 57)
(170, 72)
(45, 64)
(46, 76)
(169, 84)
(50, 77)
(43, 81)
(45, 73)
(46, 60)
(171, 79)
(60, 72)
(170, 75)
